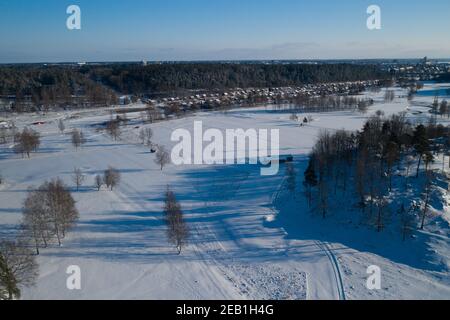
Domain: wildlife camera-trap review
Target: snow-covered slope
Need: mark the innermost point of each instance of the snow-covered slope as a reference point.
(243, 243)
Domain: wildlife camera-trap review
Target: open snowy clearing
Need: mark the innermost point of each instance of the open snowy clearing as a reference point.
(248, 240)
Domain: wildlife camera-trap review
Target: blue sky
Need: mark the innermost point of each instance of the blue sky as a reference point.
(119, 30)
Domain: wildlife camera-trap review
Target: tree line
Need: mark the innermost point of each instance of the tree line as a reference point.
(42, 88)
(35, 87)
(157, 78)
(329, 103)
(177, 229)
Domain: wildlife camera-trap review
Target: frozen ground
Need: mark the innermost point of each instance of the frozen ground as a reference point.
(246, 239)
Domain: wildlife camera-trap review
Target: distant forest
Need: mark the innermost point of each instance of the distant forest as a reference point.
(96, 85)
(175, 77)
(39, 87)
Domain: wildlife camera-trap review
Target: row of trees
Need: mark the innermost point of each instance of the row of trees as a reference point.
(441, 107)
(113, 129)
(365, 163)
(151, 115)
(177, 229)
(111, 178)
(325, 103)
(389, 96)
(29, 140)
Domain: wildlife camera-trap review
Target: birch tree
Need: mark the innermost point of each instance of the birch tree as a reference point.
(98, 182)
(61, 126)
(18, 268)
(162, 157)
(111, 178)
(177, 230)
(36, 222)
(78, 177)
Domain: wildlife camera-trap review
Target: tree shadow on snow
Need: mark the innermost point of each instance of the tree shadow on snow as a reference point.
(302, 223)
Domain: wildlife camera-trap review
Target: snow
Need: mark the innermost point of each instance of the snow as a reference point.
(246, 242)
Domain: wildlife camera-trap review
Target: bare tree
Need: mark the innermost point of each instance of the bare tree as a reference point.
(392, 155)
(142, 136)
(152, 114)
(381, 203)
(17, 268)
(407, 219)
(177, 230)
(162, 157)
(49, 211)
(409, 161)
(82, 138)
(142, 116)
(145, 135)
(421, 145)
(78, 177)
(36, 222)
(111, 178)
(361, 175)
(113, 129)
(426, 196)
(78, 138)
(323, 197)
(374, 182)
(26, 141)
(389, 96)
(3, 135)
(98, 182)
(61, 207)
(310, 181)
(61, 126)
(293, 117)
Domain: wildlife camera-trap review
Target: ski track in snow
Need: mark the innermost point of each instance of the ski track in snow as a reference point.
(323, 246)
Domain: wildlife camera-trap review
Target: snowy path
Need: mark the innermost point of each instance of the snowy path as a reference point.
(337, 271)
(332, 287)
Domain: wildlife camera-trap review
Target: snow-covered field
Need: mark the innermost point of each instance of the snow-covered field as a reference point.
(249, 239)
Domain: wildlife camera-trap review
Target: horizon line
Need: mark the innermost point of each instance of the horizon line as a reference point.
(220, 60)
